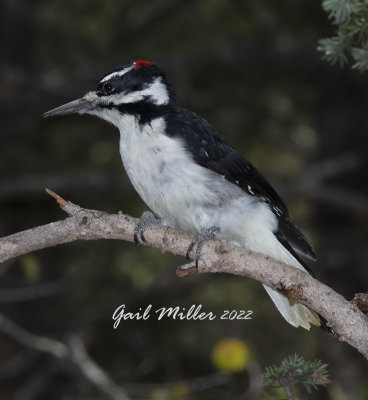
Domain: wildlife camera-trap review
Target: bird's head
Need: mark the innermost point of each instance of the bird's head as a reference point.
(130, 89)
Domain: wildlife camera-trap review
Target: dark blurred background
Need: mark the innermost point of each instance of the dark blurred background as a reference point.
(252, 70)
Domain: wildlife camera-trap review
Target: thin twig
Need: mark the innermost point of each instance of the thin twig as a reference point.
(74, 352)
(62, 203)
(30, 292)
(186, 270)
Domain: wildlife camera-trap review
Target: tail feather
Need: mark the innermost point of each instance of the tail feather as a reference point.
(296, 314)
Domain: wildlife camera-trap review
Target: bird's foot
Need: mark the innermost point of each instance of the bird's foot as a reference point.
(203, 236)
(147, 219)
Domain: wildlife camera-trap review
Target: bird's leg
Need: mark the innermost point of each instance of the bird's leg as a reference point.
(203, 236)
(147, 219)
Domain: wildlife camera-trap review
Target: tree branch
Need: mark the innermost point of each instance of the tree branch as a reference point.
(31, 292)
(348, 322)
(73, 351)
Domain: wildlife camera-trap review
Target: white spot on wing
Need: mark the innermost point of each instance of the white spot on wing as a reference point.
(250, 190)
(277, 210)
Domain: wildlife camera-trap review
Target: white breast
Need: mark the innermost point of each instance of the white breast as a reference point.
(186, 195)
(161, 170)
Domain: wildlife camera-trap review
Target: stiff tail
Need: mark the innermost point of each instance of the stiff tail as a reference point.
(297, 314)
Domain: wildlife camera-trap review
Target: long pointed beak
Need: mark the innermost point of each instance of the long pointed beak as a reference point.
(80, 106)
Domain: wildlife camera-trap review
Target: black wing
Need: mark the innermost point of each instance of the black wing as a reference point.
(210, 150)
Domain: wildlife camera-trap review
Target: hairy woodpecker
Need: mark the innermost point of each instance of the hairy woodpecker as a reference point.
(190, 177)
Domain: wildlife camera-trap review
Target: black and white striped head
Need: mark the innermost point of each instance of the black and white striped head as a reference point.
(135, 88)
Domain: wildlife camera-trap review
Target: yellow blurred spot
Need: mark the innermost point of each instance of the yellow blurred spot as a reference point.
(180, 391)
(31, 267)
(230, 355)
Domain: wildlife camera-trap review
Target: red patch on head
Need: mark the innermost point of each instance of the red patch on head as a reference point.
(142, 63)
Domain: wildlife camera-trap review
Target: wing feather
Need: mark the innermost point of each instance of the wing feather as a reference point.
(209, 149)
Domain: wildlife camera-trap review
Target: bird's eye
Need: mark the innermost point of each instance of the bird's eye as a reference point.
(107, 88)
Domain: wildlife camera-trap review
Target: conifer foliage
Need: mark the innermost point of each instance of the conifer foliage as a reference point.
(295, 370)
(349, 45)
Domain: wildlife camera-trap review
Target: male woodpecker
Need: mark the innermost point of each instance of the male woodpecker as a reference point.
(190, 177)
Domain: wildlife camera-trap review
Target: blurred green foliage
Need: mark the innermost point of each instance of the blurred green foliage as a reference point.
(351, 39)
(251, 68)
